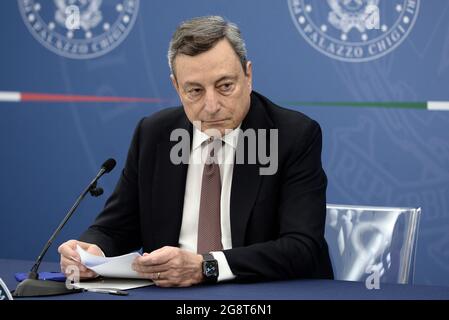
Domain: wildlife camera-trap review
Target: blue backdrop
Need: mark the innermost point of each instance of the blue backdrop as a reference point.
(383, 156)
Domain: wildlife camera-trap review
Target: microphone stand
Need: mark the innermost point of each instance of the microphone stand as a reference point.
(32, 286)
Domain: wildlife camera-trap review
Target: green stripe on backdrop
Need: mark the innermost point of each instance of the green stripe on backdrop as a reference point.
(391, 105)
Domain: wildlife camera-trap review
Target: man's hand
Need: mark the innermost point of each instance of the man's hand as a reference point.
(170, 267)
(69, 257)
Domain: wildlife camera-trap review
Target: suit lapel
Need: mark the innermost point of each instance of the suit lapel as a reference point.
(246, 178)
(168, 191)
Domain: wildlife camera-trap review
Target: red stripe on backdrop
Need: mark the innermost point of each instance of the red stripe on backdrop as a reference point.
(36, 97)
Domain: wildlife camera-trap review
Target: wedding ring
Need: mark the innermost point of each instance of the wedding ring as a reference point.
(158, 275)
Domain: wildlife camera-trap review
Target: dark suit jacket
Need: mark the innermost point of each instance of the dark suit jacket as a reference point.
(277, 221)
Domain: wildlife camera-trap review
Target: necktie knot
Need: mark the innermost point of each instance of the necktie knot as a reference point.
(213, 146)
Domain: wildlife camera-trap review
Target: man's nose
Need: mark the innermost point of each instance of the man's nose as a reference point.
(211, 104)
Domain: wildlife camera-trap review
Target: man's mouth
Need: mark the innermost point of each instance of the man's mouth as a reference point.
(215, 121)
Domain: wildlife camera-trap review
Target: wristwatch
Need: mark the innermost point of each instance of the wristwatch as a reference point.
(210, 268)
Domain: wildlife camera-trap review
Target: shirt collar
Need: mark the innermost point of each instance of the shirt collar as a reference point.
(230, 138)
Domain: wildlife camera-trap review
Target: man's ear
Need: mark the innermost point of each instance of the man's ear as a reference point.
(249, 74)
(174, 82)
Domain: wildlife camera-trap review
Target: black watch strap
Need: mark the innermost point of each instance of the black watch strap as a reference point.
(210, 268)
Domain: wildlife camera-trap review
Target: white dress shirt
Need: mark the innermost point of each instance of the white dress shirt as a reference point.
(189, 229)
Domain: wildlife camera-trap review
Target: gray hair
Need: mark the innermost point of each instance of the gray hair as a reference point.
(200, 34)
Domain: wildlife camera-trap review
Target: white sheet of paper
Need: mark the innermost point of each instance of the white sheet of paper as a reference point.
(113, 267)
(113, 283)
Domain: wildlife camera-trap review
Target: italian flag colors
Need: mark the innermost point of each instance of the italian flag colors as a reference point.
(10, 96)
(429, 105)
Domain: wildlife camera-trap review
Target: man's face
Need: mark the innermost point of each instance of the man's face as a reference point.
(213, 87)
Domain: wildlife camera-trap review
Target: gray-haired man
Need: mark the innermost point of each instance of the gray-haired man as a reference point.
(215, 221)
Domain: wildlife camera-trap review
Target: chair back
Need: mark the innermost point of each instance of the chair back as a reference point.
(364, 240)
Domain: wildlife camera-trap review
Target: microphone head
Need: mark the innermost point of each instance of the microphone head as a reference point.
(108, 165)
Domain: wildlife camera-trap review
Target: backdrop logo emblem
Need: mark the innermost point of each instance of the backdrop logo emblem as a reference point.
(79, 29)
(354, 30)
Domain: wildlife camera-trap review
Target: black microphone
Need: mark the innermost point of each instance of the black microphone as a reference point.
(107, 167)
(33, 286)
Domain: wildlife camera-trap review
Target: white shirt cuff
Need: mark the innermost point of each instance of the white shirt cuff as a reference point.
(224, 271)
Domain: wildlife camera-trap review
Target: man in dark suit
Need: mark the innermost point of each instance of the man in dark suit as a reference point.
(215, 220)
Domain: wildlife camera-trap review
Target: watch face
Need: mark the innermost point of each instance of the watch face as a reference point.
(210, 269)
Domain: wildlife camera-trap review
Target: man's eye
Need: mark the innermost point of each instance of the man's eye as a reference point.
(194, 92)
(226, 87)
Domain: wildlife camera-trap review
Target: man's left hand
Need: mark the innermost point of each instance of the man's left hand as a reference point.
(170, 267)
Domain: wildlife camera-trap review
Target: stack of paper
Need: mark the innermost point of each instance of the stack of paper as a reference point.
(112, 267)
